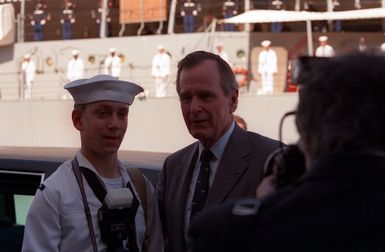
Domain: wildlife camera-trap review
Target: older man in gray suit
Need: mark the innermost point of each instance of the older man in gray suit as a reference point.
(227, 161)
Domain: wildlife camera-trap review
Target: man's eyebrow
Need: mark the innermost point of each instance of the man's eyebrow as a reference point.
(184, 93)
(205, 92)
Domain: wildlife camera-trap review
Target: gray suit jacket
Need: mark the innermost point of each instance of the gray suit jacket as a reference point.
(239, 172)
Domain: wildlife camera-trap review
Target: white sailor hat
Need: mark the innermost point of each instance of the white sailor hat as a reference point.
(102, 88)
(27, 56)
(323, 38)
(266, 43)
(75, 52)
(160, 47)
(112, 50)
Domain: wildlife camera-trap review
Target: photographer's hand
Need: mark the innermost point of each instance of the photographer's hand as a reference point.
(267, 187)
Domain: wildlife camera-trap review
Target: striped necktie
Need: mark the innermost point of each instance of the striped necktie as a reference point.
(202, 186)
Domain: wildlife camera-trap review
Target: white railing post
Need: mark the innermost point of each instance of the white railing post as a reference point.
(171, 18)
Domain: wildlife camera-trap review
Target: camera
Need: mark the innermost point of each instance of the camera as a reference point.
(116, 218)
(287, 164)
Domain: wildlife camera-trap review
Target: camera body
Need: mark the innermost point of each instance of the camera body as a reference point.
(113, 226)
(116, 218)
(287, 164)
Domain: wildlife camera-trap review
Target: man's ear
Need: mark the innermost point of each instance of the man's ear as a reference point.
(76, 119)
(233, 101)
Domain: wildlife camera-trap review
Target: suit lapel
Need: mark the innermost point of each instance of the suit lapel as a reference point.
(231, 167)
(186, 168)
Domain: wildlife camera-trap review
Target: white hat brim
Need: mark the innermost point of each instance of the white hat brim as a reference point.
(103, 88)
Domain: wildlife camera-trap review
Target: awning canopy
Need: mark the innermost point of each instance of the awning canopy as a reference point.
(267, 16)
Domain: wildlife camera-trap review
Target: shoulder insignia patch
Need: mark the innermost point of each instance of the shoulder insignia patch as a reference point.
(41, 187)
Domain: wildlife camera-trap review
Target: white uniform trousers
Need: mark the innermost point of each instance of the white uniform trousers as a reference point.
(160, 86)
(267, 80)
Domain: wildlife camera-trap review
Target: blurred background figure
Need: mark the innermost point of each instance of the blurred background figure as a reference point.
(28, 71)
(67, 18)
(112, 64)
(75, 67)
(362, 47)
(240, 121)
(267, 67)
(277, 5)
(324, 49)
(222, 53)
(39, 19)
(189, 11)
(229, 9)
(337, 23)
(160, 70)
(75, 71)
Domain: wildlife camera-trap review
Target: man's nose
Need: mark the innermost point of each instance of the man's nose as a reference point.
(195, 105)
(113, 121)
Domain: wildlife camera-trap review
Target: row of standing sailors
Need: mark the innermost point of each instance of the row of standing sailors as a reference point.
(40, 17)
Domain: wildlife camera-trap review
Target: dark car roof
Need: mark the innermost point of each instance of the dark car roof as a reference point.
(47, 159)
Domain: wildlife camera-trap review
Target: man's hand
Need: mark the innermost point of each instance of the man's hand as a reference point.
(267, 187)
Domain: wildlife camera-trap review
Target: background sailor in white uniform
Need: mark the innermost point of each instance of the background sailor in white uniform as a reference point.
(75, 67)
(160, 70)
(324, 50)
(28, 71)
(267, 67)
(112, 64)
